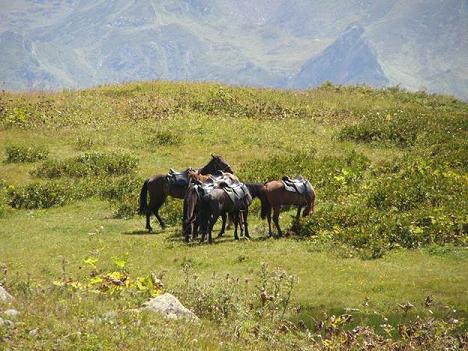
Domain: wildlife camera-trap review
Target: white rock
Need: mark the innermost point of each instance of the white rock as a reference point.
(12, 313)
(169, 306)
(4, 295)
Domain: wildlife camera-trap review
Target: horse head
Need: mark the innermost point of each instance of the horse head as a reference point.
(219, 164)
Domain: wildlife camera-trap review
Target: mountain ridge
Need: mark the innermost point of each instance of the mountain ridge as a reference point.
(80, 43)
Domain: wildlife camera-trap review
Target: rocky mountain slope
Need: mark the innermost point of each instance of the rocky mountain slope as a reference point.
(278, 43)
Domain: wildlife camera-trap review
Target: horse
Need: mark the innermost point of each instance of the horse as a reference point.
(198, 186)
(217, 203)
(159, 188)
(276, 195)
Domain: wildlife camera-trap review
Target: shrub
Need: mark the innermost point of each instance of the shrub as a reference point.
(370, 232)
(41, 195)
(88, 164)
(415, 185)
(395, 127)
(165, 138)
(20, 153)
(262, 303)
(331, 175)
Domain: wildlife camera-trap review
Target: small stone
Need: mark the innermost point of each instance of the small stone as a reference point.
(12, 313)
(34, 332)
(6, 323)
(4, 295)
(109, 315)
(169, 306)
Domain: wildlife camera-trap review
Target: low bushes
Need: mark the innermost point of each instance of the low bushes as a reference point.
(44, 195)
(332, 175)
(21, 153)
(88, 164)
(165, 138)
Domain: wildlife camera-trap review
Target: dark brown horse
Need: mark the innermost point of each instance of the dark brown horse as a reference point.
(159, 188)
(277, 196)
(198, 185)
(218, 203)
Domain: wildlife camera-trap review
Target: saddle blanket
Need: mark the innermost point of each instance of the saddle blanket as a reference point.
(298, 185)
(236, 192)
(177, 178)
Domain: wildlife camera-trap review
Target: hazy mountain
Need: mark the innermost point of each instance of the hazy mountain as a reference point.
(349, 60)
(299, 43)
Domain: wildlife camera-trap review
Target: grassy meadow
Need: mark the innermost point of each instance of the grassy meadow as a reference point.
(382, 263)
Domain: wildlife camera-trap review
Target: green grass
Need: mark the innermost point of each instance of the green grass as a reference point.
(390, 225)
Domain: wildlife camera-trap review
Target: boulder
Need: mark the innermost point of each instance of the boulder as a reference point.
(169, 306)
(4, 295)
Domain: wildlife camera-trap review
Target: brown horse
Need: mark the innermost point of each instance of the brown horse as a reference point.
(159, 188)
(278, 196)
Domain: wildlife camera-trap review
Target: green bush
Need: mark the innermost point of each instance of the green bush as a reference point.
(88, 164)
(331, 175)
(20, 153)
(123, 194)
(416, 185)
(41, 195)
(263, 303)
(165, 138)
(397, 127)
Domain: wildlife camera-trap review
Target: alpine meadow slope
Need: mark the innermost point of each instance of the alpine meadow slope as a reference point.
(382, 261)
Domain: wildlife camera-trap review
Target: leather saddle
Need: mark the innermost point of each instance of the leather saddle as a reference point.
(237, 193)
(178, 178)
(298, 185)
(221, 179)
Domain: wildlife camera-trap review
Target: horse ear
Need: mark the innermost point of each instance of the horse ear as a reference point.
(212, 155)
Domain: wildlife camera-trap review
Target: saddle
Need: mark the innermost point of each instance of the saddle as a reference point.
(220, 178)
(178, 178)
(237, 193)
(298, 185)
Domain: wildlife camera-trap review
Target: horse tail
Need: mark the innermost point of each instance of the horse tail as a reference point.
(265, 205)
(143, 195)
(310, 208)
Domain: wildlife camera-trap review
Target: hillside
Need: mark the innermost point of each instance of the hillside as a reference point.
(50, 45)
(382, 260)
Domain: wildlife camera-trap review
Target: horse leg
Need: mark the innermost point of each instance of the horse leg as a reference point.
(195, 229)
(269, 222)
(241, 222)
(210, 228)
(276, 213)
(148, 220)
(299, 208)
(236, 225)
(246, 226)
(156, 211)
(223, 227)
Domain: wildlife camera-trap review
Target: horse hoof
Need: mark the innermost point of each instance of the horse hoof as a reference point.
(150, 230)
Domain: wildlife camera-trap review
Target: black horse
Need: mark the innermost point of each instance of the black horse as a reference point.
(222, 200)
(159, 188)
